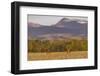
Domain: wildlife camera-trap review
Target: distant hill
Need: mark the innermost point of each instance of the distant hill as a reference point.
(31, 24)
(64, 28)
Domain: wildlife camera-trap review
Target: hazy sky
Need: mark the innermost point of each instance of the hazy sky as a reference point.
(49, 20)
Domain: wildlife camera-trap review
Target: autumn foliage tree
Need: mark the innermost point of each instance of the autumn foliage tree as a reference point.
(57, 45)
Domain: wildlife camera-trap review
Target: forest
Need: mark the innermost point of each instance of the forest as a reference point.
(66, 45)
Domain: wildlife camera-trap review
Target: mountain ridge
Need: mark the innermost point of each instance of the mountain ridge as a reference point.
(64, 26)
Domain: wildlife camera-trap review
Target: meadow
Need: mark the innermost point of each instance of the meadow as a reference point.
(57, 49)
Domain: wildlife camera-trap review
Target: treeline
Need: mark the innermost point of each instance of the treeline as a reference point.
(57, 45)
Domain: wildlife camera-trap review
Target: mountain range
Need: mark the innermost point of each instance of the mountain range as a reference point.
(62, 29)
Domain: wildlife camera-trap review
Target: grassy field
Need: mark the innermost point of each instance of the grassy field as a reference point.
(57, 49)
(57, 55)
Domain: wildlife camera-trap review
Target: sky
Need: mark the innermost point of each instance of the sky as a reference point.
(50, 20)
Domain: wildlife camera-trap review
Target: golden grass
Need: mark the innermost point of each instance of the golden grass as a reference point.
(57, 55)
